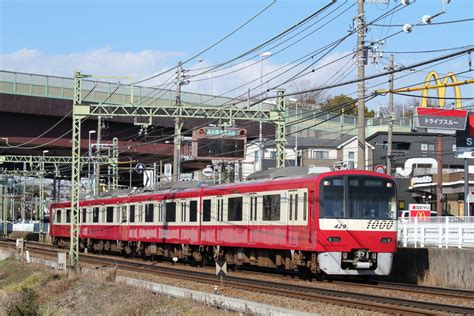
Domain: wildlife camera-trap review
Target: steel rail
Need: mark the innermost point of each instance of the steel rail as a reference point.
(344, 298)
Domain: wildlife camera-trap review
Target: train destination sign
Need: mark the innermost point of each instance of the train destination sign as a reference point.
(438, 118)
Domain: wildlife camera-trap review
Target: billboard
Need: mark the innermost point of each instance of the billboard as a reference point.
(219, 143)
(465, 137)
(419, 210)
(441, 118)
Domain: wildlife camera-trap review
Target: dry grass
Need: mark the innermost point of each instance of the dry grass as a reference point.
(91, 294)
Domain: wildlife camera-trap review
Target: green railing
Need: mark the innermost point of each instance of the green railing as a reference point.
(96, 91)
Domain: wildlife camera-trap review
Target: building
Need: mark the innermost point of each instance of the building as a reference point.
(414, 165)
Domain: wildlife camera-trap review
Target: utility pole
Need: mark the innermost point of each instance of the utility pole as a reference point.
(439, 186)
(391, 117)
(361, 85)
(97, 148)
(177, 127)
(296, 137)
(466, 188)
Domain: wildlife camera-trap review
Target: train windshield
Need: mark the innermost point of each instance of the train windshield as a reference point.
(358, 197)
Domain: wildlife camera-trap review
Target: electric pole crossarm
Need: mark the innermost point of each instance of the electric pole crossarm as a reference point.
(421, 88)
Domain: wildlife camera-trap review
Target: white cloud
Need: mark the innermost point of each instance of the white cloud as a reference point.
(101, 61)
(142, 64)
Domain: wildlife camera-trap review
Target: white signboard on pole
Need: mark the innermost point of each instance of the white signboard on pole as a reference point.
(148, 178)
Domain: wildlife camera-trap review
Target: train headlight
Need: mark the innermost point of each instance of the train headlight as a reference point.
(386, 240)
(334, 239)
(389, 184)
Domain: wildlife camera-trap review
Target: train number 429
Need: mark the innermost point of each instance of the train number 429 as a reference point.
(340, 226)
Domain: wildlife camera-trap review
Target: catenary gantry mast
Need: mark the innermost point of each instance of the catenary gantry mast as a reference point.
(81, 111)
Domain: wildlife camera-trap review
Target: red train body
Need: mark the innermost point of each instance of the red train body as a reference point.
(341, 222)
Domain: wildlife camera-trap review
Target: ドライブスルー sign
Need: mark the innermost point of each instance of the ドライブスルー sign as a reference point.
(438, 118)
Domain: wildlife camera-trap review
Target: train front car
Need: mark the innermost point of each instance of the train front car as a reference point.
(357, 232)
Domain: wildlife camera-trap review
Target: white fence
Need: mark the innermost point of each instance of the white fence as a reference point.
(445, 231)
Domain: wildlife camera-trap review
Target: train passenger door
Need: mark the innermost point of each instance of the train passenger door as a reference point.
(252, 219)
(293, 215)
(219, 219)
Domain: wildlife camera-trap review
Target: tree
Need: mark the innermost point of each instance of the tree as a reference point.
(309, 100)
(343, 103)
(404, 109)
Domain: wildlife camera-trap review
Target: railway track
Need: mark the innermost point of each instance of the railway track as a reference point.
(343, 298)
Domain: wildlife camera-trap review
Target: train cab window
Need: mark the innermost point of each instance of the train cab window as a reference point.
(193, 207)
(271, 207)
(84, 215)
(68, 215)
(131, 214)
(109, 214)
(58, 216)
(370, 197)
(95, 215)
(170, 212)
(149, 210)
(206, 210)
(234, 209)
(332, 197)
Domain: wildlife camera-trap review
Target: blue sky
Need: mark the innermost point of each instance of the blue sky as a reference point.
(140, 38)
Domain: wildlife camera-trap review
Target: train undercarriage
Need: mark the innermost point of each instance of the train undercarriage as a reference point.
(356, 262)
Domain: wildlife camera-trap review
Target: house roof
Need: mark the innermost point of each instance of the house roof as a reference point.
(351, 140)
(311, 142)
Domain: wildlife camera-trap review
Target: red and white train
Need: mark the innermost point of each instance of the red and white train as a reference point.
(334, 223)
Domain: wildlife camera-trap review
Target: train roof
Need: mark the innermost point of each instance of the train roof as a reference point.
(189, 187)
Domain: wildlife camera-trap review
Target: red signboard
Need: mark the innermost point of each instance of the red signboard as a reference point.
(439, 118)
(419, 210)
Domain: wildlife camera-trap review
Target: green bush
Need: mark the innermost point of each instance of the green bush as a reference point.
(27, 304)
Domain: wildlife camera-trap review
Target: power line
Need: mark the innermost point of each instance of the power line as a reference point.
(212, 45)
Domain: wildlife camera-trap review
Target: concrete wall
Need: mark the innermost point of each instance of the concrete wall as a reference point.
(451, 268)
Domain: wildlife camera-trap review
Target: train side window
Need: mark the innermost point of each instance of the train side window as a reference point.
(140, 213)
(251, 208)
(183, 211)
(170, 210)
(193, 211)
(291, 206)
(58, 216)
(234, 209)
(95, 215)
(296, 207)
(206, 210)
(160, 211)
(271, 207)
(131, 214)
(305, 205)
(109, 214)
(149, 210)
(123, 213)
(84, 215)
(68, 215)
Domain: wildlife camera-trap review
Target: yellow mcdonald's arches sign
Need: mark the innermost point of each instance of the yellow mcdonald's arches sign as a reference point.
(420, 214)
(441, 86)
